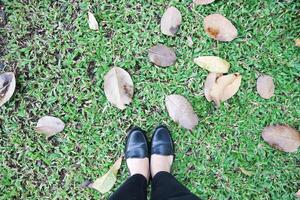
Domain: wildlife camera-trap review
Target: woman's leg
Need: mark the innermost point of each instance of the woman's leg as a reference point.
(164, 185)
(134, 188)
(137, 159)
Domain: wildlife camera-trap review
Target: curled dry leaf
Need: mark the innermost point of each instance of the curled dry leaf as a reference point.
(118, 87)
(49, 126)
(219, 28)
(7, 86)
(107, 181)
(93, 24)
(170, 21)
(246, 172)
(203, 2)
(282, 137)
(213, 64)
(297, 42)
(162, 56)
(181, 111)
(265, 86)
(220, 88)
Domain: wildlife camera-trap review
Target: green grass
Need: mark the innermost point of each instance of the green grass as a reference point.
(60, 65)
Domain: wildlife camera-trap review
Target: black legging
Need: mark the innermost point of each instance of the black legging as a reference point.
(164, 187)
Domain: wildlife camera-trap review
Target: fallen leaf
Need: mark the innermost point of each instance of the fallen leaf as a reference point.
(118, 87)
(49, 126)
(213, 64)
(265, 86)
(93, 24)
(298, 194)
(297, 42)
(224, 88)
(208, 85)
(282, 137)
(246, 172)
(181, 111)
(219, 28)
(170, 21)
(162, 56)
(203, 2)
(190, 41)
(107, 181)
(7, 86)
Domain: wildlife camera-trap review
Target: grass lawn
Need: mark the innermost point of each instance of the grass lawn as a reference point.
(60, 64)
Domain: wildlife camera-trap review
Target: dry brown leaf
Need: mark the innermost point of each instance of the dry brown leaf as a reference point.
(246, 172)
(181, 111)
(118, 87)
(219, 28)
(265, 86)
(213, 64)
(190, 41)
(7, 86)
(203, 2)
(107, 181)
(208, 85)
(49, 126)
(297, 42)
(93, 24)
(162, 56)
(170, 21)
(225, 87)
(298, 194)
(282, 137)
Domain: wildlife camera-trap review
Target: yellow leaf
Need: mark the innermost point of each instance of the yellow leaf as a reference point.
(213, 64)
(107, 181)
(246, 172)
(297, 42)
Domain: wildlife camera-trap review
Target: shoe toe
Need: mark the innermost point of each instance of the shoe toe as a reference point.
(136, 145)
(162, 143)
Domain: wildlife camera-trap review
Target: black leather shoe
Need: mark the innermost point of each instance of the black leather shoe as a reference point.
(162, 143)
(136, 144)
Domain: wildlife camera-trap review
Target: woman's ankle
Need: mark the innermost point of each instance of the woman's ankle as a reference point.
(139, 166)
(161, 163)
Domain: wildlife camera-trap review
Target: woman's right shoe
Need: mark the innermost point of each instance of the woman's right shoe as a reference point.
(136, 144)
(162, 143)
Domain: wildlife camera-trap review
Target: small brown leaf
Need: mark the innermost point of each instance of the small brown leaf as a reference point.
(190, 41)
(265, 86)
(297, 42)
(170, 21)
(203, 2)
(219, 28)
(49, 126)
(118, 87)
(7, 86)
(181, 111)
(225, 87)
(246, 172)
(162, 56)
(213, 64)
(107, 181)
(93, 24)
(282, 137)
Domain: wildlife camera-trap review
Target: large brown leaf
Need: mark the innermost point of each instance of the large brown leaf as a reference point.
(118, 87)
(49, 126)
(107, 181)
(213, 64)
(181, 111)
(170, 21)
(162, 56)
(220, 88)
(265, 86)
(7, 86)
(203, 2)
(297, 42)
(282, 137)
(219, 28)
